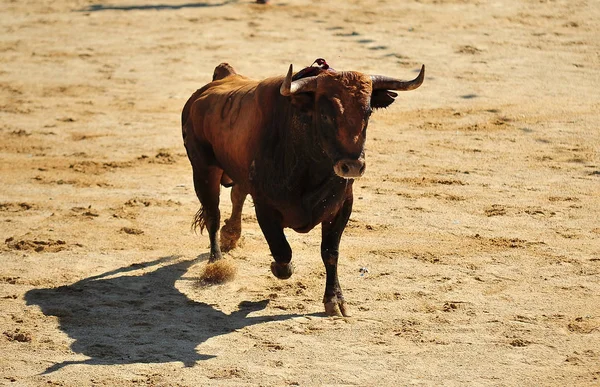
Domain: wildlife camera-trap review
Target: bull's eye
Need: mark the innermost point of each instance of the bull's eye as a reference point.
(326, 118)
(327, 112)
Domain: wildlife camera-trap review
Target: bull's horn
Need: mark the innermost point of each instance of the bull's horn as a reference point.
(286, 86)
(388, 83)
(303, 85)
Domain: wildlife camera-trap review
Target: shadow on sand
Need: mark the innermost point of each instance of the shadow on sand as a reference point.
(156, 7)
(139, 318)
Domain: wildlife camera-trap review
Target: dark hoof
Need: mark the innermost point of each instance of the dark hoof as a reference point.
(337, 308)
(282, 270)
(215, 256)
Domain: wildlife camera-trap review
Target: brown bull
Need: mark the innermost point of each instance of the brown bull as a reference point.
(294, 143)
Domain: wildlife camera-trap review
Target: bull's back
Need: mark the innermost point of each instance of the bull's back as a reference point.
(226, 116)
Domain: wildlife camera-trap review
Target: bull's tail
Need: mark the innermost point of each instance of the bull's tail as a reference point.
(199, 221)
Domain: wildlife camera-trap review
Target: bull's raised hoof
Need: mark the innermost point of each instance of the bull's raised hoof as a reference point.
(230, 236)
(228, 241)
(337, 308)
(282, 270)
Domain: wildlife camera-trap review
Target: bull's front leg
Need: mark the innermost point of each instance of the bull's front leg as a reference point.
(269, 221)
(331, 234)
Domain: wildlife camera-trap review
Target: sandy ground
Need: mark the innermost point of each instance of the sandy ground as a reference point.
(477, 218)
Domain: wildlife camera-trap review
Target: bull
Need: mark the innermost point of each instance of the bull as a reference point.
(295, 143)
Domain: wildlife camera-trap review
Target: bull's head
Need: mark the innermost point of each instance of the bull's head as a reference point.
(340, 104)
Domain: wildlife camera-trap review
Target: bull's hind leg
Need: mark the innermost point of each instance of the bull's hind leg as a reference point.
(207, 184)
(231, 232)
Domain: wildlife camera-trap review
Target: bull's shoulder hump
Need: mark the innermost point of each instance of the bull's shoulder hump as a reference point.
(223, 70)
(233, 81)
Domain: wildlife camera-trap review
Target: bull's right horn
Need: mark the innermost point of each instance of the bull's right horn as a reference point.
(388, 83)
(303, 85)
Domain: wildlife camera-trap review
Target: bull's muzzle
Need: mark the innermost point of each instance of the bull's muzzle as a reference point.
(350, 168)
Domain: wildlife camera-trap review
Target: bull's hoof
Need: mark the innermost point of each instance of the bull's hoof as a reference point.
(337, 308)
(215, 255)
(282, 270)
(229, 238)
(228, 242)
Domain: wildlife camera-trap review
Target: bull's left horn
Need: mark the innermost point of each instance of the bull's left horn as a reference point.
(286, 86)
(388, 83)
(303, 85)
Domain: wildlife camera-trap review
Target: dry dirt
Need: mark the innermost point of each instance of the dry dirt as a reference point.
(477, 218)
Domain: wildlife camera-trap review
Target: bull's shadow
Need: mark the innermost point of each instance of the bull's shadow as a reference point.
(122, 319)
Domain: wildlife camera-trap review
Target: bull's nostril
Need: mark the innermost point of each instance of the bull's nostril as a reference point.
(345, 168)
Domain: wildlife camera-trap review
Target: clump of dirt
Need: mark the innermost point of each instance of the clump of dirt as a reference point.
(425, 181)
(218, 272)
(96, 168)
(468, 50)
(145, 202)
(48, 246)
(163, 157)
(10, 280)
(137, 202)
(85, 211)
(519, 343)
(132, 231)
(495, 210)
(16, 207)
(18, 335)
(501, 242)
(584, 325)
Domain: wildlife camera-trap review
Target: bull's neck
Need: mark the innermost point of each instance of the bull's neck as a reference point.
(313, 158)
(291, 159)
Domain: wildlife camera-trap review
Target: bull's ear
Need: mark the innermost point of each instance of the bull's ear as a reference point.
(381, 98)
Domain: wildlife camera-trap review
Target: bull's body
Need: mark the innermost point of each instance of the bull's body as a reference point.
(295, 147)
